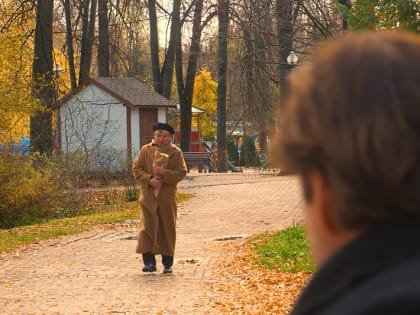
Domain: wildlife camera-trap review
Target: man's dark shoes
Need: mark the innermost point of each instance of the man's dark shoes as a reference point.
(149, 268)
(167, 262)
(167, 269)
(149, 262)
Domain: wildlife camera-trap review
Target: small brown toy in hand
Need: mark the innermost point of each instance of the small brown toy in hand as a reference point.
(161, 159)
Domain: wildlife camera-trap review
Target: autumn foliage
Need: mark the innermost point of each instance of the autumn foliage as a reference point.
(29, 188)
(205, 98)
(16, 58)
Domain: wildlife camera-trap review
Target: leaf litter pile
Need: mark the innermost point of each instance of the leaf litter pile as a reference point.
(239, 286)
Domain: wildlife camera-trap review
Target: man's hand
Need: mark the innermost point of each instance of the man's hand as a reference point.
(156, 182)
(158, 170)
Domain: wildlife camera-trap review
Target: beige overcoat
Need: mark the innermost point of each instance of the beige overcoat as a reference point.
(158, 225)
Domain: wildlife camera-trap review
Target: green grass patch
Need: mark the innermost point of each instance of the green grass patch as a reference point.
(286, 250)
(184, 197)
(104, 214)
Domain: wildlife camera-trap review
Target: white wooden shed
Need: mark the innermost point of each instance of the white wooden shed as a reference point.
(110, 115)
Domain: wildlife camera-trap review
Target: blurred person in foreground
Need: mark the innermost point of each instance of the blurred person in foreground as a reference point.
(158, 168)
(351, 130)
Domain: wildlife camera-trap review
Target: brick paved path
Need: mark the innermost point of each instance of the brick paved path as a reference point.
(99, 273)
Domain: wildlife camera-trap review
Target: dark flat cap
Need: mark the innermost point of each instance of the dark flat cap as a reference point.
(163, 126)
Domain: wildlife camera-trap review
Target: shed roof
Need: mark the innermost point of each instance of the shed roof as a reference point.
(193, 109)
(129, 91)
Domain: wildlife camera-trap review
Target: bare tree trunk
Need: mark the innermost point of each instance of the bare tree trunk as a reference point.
(263, 142)
(168, 65)
(154, 46)
(245, 151)
(223, 14)
(347, 3)
(284, 16)
(103, 41)
(185, 106)
(43, 88)
(162, 79)
(88, 28)
(69, 42)
(185, 91)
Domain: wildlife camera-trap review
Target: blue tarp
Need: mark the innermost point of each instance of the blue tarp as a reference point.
(22, 146)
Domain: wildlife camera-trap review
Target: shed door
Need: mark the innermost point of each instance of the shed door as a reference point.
(148, 117)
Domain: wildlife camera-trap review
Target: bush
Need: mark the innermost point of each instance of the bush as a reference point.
(35, 188)
(102, 165)
(29, 188)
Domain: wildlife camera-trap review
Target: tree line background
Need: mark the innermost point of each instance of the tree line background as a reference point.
(242, 45)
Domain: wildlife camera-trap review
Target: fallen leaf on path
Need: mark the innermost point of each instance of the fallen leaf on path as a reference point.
(239, 286)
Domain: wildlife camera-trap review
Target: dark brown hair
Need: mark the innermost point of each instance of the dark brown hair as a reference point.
(354, 115)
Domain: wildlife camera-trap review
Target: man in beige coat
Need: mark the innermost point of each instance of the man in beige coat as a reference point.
(158, 197)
